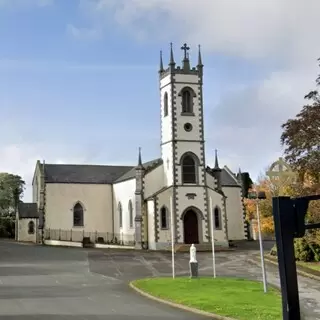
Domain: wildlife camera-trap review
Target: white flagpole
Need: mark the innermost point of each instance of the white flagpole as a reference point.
(172, 237)
(212, 240)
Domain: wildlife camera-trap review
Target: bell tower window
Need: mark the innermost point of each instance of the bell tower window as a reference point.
(187, 96)
(189, 168)
(165, 104)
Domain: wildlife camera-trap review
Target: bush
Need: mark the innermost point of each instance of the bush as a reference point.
(273, 251)
(7, 228)
(304, 250)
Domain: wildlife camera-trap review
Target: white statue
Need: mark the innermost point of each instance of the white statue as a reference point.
(193, 253)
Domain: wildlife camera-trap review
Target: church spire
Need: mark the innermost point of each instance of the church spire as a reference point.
(216, 162)
(239, 176)
(161, 63)
(139, 159)
(200, 65)
(199, 57)
(171, 63)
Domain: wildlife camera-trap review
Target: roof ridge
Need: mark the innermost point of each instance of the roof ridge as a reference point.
(88, 165)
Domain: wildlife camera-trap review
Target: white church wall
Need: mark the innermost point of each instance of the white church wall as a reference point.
(163, 236)
(166, 154)
(23, 230)
(216, 200)
(95, 198)
(234, 213)
(36, 186)
(123, 192)
(166, 132)
(151, 224)
(211, 182)
(166, 121)
(153, 181)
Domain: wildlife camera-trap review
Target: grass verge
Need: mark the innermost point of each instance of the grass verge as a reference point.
(230, 297)
(307, 267)
(311, 265)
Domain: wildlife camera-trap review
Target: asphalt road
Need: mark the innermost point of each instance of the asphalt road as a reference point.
(61, 283)
(57, 283)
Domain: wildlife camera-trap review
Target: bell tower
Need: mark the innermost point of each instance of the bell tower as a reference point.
(182, 136)
(182, 140)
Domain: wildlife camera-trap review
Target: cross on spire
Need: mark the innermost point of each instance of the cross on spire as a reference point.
(185, 48)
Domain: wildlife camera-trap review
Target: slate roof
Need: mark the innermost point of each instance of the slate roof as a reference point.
(83, 173)
(148, 166)
(102, 174)
(227, 180)
(28, 210)
(92, 174)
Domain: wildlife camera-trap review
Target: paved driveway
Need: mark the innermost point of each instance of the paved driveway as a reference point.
(72, 283)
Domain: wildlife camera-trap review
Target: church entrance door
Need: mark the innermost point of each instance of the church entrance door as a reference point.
(190, 227)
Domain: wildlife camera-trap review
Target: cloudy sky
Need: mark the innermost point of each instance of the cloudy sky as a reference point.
(79, 82)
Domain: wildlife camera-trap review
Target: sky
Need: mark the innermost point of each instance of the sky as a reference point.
(79, 78)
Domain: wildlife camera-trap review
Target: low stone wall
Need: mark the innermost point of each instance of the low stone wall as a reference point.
(79, 245)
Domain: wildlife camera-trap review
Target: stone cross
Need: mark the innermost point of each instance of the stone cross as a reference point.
(185, 48)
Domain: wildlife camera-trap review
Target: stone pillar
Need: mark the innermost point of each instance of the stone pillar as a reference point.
(138, 220)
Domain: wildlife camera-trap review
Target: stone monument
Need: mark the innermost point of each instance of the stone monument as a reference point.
(193, 262)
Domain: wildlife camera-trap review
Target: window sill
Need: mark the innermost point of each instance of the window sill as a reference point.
(165, 229)
(188, 114)
(78, 227)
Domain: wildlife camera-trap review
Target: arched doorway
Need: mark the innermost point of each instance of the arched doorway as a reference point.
(190, 227)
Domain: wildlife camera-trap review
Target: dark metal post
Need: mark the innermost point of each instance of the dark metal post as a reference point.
(284, 223)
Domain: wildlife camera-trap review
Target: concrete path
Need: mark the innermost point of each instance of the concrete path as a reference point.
(73, 283)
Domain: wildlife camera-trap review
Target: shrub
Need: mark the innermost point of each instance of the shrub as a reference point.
(304, 250)
(273, 251)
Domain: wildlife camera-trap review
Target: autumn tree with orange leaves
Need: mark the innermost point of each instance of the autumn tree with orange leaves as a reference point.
(271, 189)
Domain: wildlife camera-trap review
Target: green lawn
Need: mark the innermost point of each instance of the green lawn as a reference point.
(231, 297)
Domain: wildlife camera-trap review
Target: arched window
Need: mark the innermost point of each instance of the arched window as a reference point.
(187, 102)
(165, 104)
(130, 209)
(31, 227)
(164, 218)
(217, 218)
(120, 214)
(78, 215)
(189, 169)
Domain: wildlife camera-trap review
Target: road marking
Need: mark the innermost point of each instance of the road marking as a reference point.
(1, 281)
(110, 278)
(167, 260)
(115, 265)
(149, 266)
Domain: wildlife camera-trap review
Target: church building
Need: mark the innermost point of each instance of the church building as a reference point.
(143, 205)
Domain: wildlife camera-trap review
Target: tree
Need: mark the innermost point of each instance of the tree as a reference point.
(301, 138)
(11, 190)
(271, 189)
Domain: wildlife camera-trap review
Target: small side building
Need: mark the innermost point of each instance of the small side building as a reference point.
(27, 225)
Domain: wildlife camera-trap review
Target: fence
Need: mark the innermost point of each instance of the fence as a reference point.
(94, 236)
